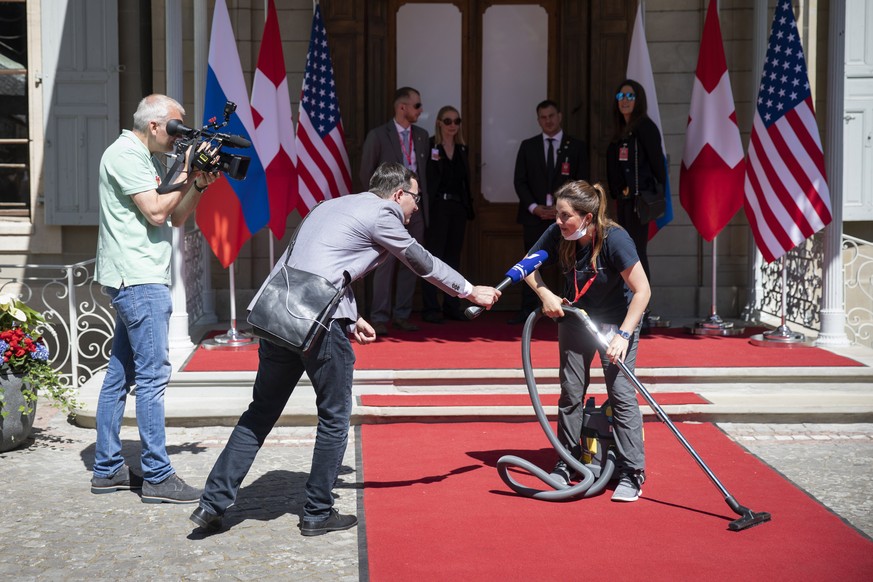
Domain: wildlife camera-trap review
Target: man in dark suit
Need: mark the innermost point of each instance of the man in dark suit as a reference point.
(402, 142)
(544, 163)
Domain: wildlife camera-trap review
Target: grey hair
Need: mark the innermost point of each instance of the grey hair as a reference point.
(390, 177)
(154, 107)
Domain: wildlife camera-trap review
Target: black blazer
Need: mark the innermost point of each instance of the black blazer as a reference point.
(437, 168)
(644, 147)
(531, 182)
(382, 144)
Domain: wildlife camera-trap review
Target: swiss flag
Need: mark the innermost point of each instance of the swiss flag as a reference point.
(713, 166)
(274, 129)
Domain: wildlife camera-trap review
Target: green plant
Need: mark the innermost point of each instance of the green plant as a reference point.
(23, 351)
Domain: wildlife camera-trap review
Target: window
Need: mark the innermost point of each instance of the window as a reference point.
(14, 136)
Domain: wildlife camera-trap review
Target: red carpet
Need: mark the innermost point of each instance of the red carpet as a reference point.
(435, 509)
(662, 398)
(488, 342)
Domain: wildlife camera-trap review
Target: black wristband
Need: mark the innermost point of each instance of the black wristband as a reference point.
(198, 188)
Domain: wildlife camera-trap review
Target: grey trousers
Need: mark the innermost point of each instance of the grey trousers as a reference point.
(577, 349)
(383, 279)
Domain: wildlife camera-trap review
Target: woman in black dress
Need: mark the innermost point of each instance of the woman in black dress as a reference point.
(451, 206)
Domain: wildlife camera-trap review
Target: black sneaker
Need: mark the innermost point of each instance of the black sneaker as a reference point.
(170, 490)
(206, 520)
(333, 522)
(124, 479)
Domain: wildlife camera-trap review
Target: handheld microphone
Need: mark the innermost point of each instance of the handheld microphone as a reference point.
(516, 273)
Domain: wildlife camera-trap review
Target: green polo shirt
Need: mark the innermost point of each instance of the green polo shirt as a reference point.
(130, 250)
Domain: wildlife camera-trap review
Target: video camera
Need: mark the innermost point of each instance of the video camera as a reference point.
(234, 165)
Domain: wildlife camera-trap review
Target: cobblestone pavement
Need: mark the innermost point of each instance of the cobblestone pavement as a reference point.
(55, 529)
(831, 462)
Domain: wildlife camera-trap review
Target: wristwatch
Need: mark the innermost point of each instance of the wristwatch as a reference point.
(624, 334)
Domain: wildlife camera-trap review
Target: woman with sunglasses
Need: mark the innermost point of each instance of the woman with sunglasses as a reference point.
(451, 206)
(634, 160)
(603, 276)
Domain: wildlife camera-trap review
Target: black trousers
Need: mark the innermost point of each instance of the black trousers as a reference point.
(444, 238)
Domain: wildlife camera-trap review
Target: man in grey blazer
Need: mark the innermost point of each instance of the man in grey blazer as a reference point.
(346, 235)
(402, 142)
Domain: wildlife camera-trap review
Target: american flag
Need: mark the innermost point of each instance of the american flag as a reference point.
(787, 196)
(323, 163)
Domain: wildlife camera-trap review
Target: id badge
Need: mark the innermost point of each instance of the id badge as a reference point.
(435, 154)
(565, 169)
(622, 154)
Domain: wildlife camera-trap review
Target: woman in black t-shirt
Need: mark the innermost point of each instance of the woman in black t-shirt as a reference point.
(603, 276)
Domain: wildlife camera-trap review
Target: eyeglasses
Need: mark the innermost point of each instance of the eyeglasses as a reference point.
(415, 105)
(620, 95)
(448, 121)
(415, 197)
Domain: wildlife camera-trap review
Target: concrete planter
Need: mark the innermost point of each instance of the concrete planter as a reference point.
(15, 427)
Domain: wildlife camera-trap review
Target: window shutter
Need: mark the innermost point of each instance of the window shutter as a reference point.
(80, 101)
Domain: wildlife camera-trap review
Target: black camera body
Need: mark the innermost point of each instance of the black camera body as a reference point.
(234, 165)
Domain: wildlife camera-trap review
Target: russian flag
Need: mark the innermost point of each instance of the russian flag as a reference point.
(231, 211)
(639, 68)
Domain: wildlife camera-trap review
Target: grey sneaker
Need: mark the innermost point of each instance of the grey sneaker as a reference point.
(561, 472)
(629, 488)
(124, 479)
(170, 490)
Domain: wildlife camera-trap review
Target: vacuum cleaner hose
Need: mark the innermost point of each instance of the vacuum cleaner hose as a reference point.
(559, 491)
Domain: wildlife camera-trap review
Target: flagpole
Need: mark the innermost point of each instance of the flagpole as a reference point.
(233, 338)
(782, 336)
(714, 324)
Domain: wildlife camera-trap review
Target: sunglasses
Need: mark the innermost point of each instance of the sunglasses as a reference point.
(630, 96)
(416, 105)
(448, 121)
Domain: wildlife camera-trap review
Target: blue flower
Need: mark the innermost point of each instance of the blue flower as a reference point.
(4, 345)
(41, 353)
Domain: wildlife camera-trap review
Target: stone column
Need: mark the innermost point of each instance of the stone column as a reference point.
(179, 335)
(833, 314)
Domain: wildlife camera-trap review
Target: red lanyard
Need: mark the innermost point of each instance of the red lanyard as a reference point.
(407, 152)
(588, 283)
(585, 287)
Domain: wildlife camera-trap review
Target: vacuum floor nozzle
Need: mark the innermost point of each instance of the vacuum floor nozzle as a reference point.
(749, 519)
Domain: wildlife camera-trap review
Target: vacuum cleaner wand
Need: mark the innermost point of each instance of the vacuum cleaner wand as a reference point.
(748, 518)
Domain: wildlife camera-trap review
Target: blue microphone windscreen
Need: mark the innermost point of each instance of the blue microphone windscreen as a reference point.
(526, 266)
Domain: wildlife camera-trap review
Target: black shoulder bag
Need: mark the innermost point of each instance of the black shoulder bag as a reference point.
(648, 204)
(295, 307)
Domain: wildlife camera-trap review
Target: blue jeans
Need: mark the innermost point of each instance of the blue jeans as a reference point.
(141, 356)
(330, 365)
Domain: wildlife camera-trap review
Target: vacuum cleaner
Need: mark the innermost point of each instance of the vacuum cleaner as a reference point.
(598, 463)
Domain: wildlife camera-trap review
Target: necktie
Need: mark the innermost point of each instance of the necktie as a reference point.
(550, 157)
(407, 150)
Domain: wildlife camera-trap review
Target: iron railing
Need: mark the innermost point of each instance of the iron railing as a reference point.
(76, 310)
(858, 279)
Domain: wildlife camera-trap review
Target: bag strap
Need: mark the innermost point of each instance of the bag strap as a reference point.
(347, 278)
(636, 166)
